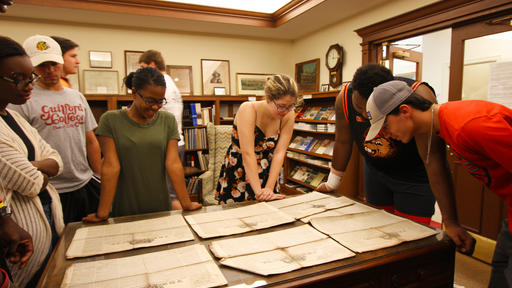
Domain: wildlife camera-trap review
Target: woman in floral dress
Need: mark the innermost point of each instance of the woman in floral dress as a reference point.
(261, 133)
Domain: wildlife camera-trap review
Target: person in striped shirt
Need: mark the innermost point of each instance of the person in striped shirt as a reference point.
(26, 164)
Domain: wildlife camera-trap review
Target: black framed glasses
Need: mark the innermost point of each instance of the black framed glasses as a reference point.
(152, 101)
(282, 108)
(21, 83)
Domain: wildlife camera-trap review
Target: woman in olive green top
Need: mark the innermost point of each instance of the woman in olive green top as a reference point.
(140, 145)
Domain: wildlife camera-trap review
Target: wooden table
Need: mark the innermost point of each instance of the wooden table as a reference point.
(423, 263)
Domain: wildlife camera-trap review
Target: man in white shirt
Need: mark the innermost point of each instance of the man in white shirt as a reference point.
(174, 106)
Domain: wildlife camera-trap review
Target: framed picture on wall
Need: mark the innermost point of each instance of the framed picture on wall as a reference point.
(214, 73)
(100, 59)
(251, 83)
(182, 77)
(101, 82)
(307, 75)
(131, 61)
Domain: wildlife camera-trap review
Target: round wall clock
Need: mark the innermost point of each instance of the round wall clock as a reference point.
(334, 62)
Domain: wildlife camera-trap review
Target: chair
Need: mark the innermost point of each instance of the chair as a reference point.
(219, 139)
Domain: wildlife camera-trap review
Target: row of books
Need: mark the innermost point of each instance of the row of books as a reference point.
(315, 127)
(194, 185)
(197, 159)
(316, 113)
(310, 144)
(298, 187)
(194, 114)
(308, 175)
(195, 138)
(308, 158)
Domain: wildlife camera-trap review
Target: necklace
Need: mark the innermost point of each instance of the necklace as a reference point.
(430, 134)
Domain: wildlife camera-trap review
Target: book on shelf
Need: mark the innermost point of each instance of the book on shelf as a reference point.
(320, 177)
(315, 145)
(328, 113)
(329, 149)
(206, 115)
(305, 143)
(193, 112)
(199, 114)
(320, 113)
(300, 112)
(323, 146)
(311, 113)
(194, 185)
(296, 142)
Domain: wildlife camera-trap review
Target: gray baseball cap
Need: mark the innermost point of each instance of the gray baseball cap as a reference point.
(382, 101)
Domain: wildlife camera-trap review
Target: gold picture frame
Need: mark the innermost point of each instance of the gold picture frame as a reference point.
(182, 77)
(215, 73)
(307, 75)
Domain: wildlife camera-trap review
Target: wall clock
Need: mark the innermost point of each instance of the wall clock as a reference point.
(334, 62)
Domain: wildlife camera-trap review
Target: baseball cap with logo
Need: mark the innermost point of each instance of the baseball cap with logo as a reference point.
(382, 101)
(42, 49)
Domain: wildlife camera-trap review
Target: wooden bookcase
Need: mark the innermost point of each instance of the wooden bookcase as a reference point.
(318, 99)
(223, 107)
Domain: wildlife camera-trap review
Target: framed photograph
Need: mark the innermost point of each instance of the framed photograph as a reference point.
(131, 61)
(73, 80)
(214, 73)
(100, 59)
(251, 83)
(101, 82)
(324, 87)
(182, 77)
(219, 91)
(307, 75)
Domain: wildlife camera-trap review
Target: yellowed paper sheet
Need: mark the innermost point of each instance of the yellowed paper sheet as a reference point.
(265, 242)
(111, 238)
(289, 259)
(237, 220)
(189, 266)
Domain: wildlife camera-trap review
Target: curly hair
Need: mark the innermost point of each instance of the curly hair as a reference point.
(10, 48)
(368, 77)
(143, 77)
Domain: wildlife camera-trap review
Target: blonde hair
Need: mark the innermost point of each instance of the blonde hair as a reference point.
(281, 85)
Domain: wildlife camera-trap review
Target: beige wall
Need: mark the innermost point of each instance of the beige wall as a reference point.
(315, 45)
(245, 55)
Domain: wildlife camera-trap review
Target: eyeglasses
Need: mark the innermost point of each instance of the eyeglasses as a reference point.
(152, 101)
(20, 84)
(282, 108)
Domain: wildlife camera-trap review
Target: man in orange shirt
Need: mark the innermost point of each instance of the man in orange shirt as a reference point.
(479, 134)
(70, 55)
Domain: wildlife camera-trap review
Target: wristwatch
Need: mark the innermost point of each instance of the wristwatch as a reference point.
(5, 210)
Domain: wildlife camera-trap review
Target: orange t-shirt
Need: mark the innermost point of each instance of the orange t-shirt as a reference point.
(480, 134)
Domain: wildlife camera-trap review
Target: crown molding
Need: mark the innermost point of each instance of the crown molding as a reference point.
(185, 11)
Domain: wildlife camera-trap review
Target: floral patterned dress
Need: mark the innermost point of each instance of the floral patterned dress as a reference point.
(233, 185)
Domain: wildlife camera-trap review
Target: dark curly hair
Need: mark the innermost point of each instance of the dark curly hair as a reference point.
(368, 77)
(143, 77)
(10, 48)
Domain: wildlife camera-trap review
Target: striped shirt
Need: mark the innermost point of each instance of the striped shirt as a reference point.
(22, 183)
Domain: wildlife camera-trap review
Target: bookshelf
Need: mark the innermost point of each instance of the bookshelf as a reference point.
(223, 107)
(309, 154)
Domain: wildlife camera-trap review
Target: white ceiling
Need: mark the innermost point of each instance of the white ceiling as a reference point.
(322, 15)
